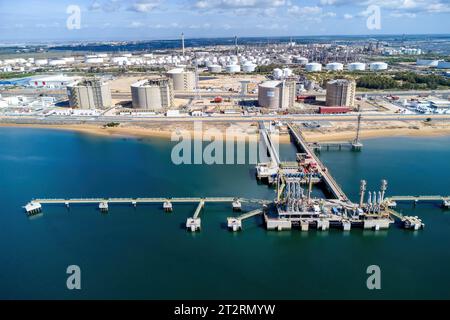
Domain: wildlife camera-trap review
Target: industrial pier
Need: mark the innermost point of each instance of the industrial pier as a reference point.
(293, 207)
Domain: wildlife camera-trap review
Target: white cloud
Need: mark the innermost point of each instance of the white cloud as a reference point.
(348, 16)
(403, 15)
(256, 5)
(304, 10)
(273, 26)
(145, 6)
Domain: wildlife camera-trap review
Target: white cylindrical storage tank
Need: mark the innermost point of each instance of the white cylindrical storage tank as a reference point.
(300, 60)
(249, 67)
(443, 65)
(69, 59)
(120, 60)
(152, 94)
(427, 63)
(269, 94)
(41, 62)
(277, 73)
(233, 68)
(57, 62)
(335, 66)
(215, 68)
(287, 72)
(182, 80)
(378, 66)
(313, 67)
(356, 66)
(93, 60)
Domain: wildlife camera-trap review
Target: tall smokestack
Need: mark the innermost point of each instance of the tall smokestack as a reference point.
(182, 42)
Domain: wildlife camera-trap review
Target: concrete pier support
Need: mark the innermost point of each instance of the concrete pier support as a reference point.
(167, 206)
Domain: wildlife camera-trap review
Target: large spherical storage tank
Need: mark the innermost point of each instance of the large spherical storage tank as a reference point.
(378, 66)
(233, 68)
(335, 66)
(249, 67)
(427, 63)
(215, 68)
(269, 94)
(277, 73)
(356, 66)
(313, 67)
(443, 65)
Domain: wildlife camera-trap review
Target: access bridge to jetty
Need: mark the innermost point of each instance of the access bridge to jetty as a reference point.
(328, 179)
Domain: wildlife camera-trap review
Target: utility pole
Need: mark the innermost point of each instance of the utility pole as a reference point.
(357, 145)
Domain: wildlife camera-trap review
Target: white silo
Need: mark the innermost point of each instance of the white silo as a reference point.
(335, 66)
(356, 66)
(313, 67)
(378, 66)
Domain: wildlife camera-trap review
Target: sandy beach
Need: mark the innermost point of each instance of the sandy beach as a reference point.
(334, 133)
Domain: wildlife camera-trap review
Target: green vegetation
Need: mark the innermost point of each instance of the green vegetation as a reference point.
(267, 69)
(403, 81)
(13, 75)
(112, 125)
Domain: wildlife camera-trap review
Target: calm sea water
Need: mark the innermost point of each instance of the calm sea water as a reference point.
(145, 253)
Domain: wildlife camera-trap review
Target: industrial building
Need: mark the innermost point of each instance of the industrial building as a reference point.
(277, 94)
(89, 94)
(52, 82)
(341, 93)
(153, 94)
(183, 80)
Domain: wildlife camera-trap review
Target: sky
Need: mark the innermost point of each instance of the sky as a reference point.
(58, 20)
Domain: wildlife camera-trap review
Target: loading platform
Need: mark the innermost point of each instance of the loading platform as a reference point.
(235, 223)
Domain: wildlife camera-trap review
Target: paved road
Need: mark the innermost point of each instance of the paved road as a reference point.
(225, 119)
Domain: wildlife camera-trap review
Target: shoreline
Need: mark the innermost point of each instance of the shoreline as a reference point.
(143, 132)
